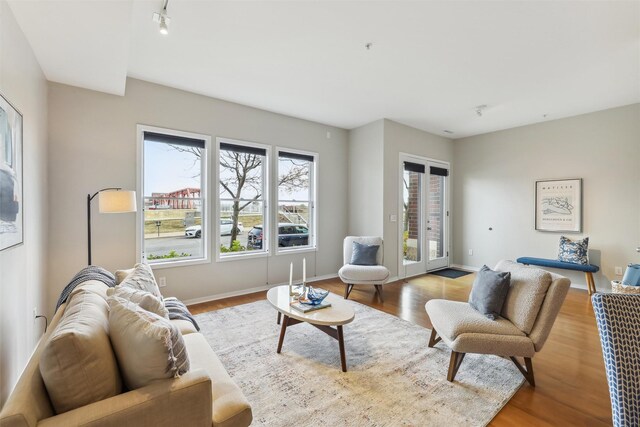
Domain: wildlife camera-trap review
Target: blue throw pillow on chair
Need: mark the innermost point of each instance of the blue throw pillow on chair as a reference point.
(576, 252)
(364, 254)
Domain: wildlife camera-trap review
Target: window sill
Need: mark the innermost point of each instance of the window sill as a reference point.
(183, 263)
(301, 250)
(240, 256)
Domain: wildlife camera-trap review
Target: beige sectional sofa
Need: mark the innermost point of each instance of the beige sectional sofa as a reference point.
(204, 396)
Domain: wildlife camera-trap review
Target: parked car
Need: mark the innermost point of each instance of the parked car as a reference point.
(225, 229)
(227, 224)
(288, 235)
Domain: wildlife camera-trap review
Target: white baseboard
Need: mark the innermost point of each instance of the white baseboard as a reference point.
(464, 267)
(224, 295)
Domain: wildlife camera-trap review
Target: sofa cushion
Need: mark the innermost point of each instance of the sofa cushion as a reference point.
(230, 406)
(77, 363)
(146, 300)
(142, 279)
(148, 347)
(526, 294)
(184, 326)
(453, 318)
(489, 291)
(363, 273)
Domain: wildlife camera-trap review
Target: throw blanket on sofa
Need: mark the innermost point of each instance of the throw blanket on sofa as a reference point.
(177, 310)
(91, 272)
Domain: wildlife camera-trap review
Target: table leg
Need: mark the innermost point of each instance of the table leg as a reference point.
(282, 332)
(343, 357)
(279, 317)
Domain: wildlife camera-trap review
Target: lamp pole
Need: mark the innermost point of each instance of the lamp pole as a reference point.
(89, 199)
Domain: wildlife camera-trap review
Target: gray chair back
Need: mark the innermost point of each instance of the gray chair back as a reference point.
(347, 248)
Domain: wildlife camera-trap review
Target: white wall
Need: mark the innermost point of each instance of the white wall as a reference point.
(93, 145)
(366, 177)
(23, 269)
(494, 187)
(399, 138)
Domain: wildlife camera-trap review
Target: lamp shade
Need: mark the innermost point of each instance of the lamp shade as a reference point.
(117, 201)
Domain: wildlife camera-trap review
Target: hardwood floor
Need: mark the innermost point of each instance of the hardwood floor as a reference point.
(571, 386)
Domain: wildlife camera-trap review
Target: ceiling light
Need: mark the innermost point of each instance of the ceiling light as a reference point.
(162, 19)
(368, 46)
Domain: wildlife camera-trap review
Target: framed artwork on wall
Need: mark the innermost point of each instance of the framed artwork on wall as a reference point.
(11, 188)
(559, 205)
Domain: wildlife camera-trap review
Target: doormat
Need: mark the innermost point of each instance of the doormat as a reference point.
(450, 273)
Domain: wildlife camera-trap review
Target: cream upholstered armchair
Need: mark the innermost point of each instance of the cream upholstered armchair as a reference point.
(376, 275)
(529, 311)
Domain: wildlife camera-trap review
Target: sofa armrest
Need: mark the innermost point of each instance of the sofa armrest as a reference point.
(180, 401)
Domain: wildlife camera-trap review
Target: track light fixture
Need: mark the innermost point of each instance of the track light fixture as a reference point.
(162, 19)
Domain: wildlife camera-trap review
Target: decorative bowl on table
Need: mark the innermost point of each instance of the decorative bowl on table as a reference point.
(315, 296)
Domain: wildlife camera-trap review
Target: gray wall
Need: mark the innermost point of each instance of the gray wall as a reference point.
(366, 176)
(23, 269)
(93, 145)
(399, 138)
(494, 187)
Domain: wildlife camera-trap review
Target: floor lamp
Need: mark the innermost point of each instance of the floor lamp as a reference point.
(110, 200)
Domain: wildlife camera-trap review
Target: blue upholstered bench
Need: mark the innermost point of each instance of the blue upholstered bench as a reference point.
(588, 269)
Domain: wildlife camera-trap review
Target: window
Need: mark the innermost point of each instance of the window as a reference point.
(242, 199)
(173, 176)
(295, 200)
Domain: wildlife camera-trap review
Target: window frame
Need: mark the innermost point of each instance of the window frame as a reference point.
(313, 194)
(266, 184)
(204, 194)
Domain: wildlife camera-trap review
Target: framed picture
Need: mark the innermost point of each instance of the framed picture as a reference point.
(11, 208)
(559, 205)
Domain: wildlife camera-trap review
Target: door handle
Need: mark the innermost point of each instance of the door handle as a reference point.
(429, 229)
(638, 249)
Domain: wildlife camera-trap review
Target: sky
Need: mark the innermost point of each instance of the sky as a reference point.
(167, 170)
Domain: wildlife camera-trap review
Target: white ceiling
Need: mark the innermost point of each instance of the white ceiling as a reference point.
(430, 63)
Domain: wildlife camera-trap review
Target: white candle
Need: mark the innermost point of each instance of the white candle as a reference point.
(291, 274)
(304, 270)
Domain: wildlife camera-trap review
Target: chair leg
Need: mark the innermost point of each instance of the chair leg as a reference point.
(454, 364)
(434, 339)
(591, 284)
(379, 292)
(347, 290)
(527, 372)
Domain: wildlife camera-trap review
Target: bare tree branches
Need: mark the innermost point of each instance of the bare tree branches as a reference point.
(241, 178)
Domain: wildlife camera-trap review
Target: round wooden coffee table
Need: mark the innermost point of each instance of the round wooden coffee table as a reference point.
(340, 313)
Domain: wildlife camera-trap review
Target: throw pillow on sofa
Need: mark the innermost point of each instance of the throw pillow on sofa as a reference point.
(77, 363)
(489, 291)
(142, 278)
(144, 299)
(576, 252)
(122, 274)
(148, 347)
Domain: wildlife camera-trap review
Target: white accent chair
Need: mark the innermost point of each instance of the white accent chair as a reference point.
(527, 316)
(376, 275)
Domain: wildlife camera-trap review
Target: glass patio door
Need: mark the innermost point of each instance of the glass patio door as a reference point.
(437, 220)
(424, 216)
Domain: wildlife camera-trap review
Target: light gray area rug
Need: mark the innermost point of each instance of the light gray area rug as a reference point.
(393, 378)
